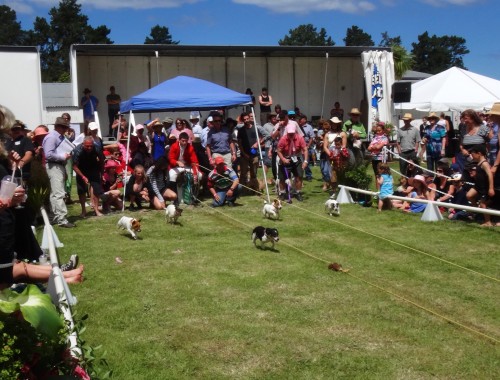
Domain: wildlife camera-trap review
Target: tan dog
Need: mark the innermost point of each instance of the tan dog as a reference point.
(132, 225)
(272, 210)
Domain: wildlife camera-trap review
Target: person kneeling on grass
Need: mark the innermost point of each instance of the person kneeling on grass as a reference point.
(483, 189)
(223, 184)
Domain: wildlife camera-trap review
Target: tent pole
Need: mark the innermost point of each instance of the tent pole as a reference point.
(260, 156)
(324, 86)
(127, 153)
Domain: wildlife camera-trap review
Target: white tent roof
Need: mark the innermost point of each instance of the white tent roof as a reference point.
(453, 89)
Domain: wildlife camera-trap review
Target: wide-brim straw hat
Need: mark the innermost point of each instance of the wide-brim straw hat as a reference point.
(495, 110)
(408, 116)
(433, 115)
(336, 120)
(355, 111)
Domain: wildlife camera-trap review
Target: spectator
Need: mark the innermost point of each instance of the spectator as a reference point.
(407, 143)
(223, 184)
(324, 162)
(182, 126)
(249, 141)
(89, 103)
(483, 188)
(182, 158)
(474, 133)
(494, 124)
(336, 111)
(339, 159)
(385, 186)
(331, 132)
(220, 142)
(194, 119)
(308, 132)
(435, 140)
(24, 147)
(355, 131)
(159, 141)
(376, 147)
(265, 102)
(56, 161)
(291, 148)
(267, 159)
(113, 100)
(88, 163)
(112, 182)
(158, 177)
(419, 192)
(138, 188)
(445, 189)
(459, 198)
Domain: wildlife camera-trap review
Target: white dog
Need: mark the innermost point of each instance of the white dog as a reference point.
(332, 207)
(132, 225)
(272, 210)
(172, 212)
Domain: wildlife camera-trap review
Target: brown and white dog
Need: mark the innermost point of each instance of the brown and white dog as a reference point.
(172, 212)
(132, 225)
(332, 206)
(272, 210)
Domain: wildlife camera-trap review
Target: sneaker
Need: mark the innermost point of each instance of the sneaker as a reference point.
(299, 197)
(67, 225)
(71, 264)
(230, 204)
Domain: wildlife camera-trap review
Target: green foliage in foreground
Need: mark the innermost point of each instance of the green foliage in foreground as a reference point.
(198, 300)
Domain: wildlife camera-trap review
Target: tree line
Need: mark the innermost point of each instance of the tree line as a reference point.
(67, 26)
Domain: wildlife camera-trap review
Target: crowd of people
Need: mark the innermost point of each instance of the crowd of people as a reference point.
(180, 161)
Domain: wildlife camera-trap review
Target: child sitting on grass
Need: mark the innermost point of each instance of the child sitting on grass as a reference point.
(385, 185)
(483, 189)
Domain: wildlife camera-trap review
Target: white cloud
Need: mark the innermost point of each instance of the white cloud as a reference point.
(443, 3)
(302, 6)
(27, 6)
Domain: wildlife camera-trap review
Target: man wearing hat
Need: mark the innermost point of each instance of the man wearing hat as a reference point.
(55, 164)
(168, 125)
(355, 132)
(223, 184)
(220, 142)
(194, 119)
(291, 148)
(435, 140)
(23, 146)
(407, 143)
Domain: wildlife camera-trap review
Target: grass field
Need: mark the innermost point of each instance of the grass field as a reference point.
(198, 300)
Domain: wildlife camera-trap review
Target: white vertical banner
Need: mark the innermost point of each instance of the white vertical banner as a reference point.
(378, 68)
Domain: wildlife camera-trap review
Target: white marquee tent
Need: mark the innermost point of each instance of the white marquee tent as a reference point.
(453, 90)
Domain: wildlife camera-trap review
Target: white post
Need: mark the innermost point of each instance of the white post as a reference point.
(324, 86)
(260, 156)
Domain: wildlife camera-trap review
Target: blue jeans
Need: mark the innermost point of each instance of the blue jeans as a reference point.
(223, 197)
(324, 166)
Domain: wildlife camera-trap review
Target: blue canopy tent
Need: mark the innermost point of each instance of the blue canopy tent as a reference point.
(184, 93)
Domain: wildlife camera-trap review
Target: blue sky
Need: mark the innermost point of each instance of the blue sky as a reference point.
(264, 22)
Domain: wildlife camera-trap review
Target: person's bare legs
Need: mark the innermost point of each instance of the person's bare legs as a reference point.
(40, 273)
(82, 198)
(95, 202)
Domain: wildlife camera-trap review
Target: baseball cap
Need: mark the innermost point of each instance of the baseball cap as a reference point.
(168, 120)
(219, 160)
(93, 126)
(291, 128)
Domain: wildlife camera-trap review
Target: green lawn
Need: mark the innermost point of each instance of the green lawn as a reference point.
(198, 300)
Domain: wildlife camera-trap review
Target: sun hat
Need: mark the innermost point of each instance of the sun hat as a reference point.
(139, 126)
(419, 178)
(433, 115)
(291, 128)
(110, 164)
(93, 126)
(194, 115)
(219, 160)
(336, 120)
(168, 120)
(355, 111)
(62, 122)
(407, 116)
(495, 110)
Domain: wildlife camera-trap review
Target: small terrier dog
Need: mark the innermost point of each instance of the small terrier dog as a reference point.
(272, 210)
(332, 207)
(172, 213)
(265, 235)
(132, 225)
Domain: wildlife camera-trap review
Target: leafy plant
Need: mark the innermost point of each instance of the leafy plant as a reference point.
(357, 176)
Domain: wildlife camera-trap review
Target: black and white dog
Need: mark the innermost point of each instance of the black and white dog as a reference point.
(265, 235)
(332, 206)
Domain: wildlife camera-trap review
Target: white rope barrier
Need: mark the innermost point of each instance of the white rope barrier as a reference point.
(64, 297)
